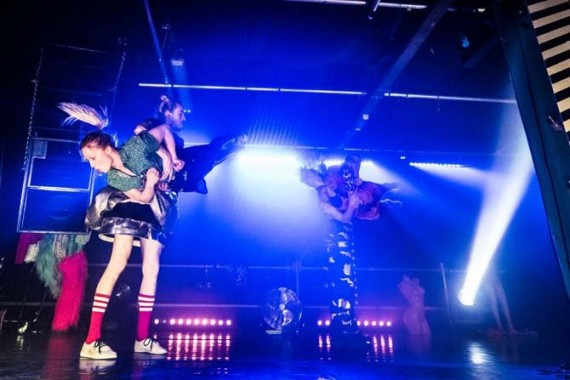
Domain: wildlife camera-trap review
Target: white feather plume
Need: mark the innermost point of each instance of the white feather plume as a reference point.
(85, 114)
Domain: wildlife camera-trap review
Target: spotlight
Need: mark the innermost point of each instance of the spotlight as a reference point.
(467, 296)
(502, 194)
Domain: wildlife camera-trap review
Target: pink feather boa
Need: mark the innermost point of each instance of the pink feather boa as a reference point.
(73, 271)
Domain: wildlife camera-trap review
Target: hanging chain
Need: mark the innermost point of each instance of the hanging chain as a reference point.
(36, 82)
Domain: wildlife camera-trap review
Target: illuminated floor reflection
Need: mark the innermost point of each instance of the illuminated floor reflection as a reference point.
(198, 346)
(381, 348)
(257, 355)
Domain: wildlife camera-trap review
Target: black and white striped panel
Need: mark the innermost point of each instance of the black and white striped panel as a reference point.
(551, 21)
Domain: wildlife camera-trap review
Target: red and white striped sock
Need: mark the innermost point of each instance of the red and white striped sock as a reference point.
(146, 304)
(100, 303)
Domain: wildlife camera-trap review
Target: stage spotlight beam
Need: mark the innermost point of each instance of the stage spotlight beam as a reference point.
(503, 194)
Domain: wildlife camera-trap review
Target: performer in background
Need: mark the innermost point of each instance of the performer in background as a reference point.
(130, 211)
(191, 163)
(343, 196)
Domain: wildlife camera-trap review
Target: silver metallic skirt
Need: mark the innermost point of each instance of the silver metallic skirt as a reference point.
(113, 213)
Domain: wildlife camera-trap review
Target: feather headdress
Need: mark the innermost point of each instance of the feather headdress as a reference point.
(85, 114)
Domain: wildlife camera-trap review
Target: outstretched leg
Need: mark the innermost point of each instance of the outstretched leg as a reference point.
(201, 159)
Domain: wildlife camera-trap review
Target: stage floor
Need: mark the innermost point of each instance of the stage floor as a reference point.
(306, 355)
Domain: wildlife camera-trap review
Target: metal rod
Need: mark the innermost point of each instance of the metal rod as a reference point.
(446, 293)
(156, 43)
(288, 268)
(253, 88)
(79, 48)
(389, 94)
(452, 98)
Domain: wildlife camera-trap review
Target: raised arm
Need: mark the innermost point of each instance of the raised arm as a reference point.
(163, 134)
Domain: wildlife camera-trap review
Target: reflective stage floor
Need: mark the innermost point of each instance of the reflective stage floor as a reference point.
(307, 355)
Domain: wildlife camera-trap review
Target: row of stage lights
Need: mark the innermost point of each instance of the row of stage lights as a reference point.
(213, 322)
(434, 165)
(196, 322)
(364, 323)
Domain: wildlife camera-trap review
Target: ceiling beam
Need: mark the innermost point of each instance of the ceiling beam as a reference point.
(434, 16)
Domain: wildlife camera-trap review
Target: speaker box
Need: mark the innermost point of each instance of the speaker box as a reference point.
(58, 188)
(55, 211)
(53, 172)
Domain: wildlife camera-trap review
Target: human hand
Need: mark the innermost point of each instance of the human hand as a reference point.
(163, 186)
(178, 164)
(354, 200)
(139, 129)
(152, 177)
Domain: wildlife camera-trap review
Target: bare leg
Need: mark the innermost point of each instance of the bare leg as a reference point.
(93, 348)
(122, 248)
(151, 250)
(150, 265)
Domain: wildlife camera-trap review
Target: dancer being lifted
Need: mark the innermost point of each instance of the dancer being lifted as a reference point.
(344, 196)
(193, 163)
(130, 211)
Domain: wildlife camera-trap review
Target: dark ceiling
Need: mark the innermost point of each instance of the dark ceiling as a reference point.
(445, 49)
